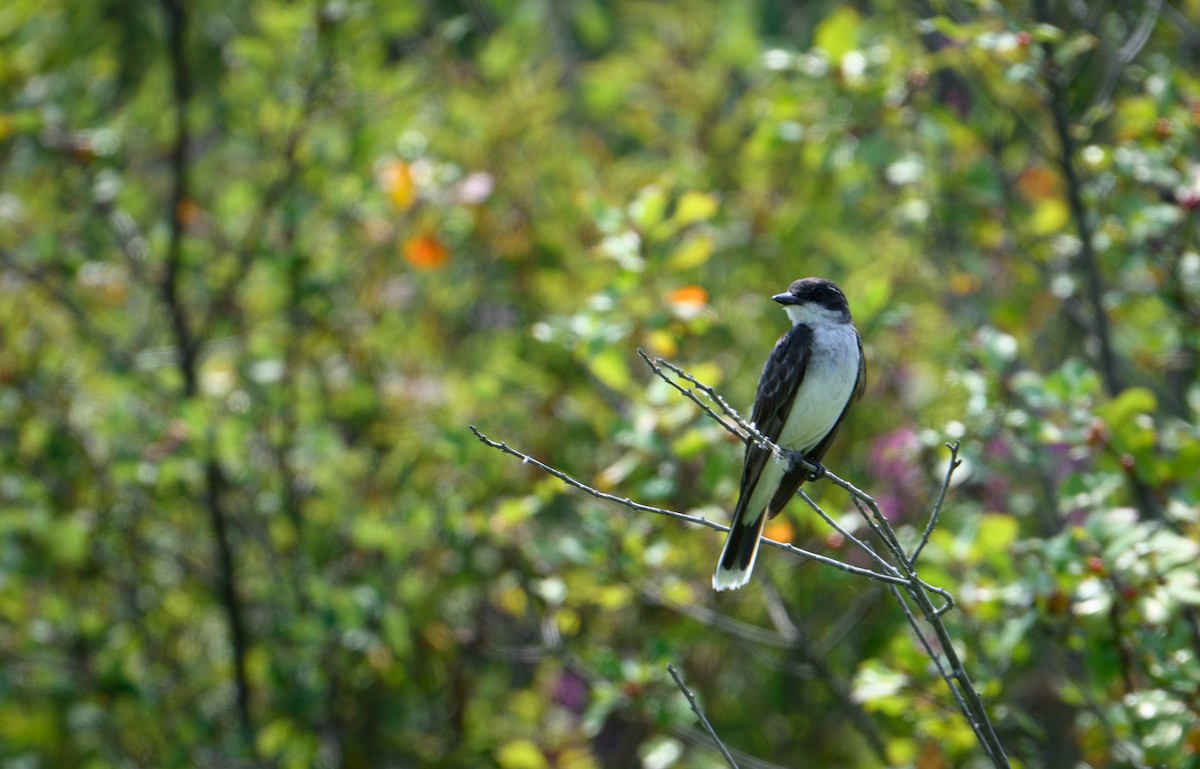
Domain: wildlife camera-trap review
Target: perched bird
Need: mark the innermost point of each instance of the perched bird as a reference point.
(803, 395)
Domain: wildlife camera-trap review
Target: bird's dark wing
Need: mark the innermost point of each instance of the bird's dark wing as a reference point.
(793, 478)
(777, 387)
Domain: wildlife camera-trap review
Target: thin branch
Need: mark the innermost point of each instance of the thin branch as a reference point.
(687, 733)
(937, 506)
(870, 551)
(937, 662)
(696, 519)
(1187, 29)
(1141, 35)
(227, 589)
(745, 427)
(878, 523)
(744, 430)
(974, 708)
(700, 714)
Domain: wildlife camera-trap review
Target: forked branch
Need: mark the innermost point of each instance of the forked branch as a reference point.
(895, 567)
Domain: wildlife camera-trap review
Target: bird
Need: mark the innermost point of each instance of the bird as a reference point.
(813, 374)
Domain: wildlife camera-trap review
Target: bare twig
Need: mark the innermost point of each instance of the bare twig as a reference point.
(878, 523)
(937, 506)
(1128, 51)
(937, 662)
(687, 733)
(696, 519)
(743, 428)
(700, 714)
(843, 531)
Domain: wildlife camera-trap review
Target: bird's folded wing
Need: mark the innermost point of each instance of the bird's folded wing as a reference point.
(777, 387)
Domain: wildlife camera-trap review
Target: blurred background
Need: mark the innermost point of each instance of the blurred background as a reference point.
(262, 263)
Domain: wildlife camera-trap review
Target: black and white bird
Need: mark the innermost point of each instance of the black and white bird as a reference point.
(804, 393)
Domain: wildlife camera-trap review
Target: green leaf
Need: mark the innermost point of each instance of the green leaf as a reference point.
(1127, 405)
(876, 687)
(521, 754)
(649, 207)
(68, 541)
(837, 34)
(995, 535)
(695, 207)
(871, 298)
(691, 444)
(1074, 48)
(693, 252)
(609, 367)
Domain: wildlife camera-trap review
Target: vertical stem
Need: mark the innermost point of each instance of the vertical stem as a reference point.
(1089, 265)
(181, 79)
(187, 345)
(1088, 262)
(227, 591)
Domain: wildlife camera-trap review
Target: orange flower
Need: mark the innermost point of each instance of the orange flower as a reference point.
(425, 252)
(691, 296)
(780, 530)
(397, 181)
(688, 302)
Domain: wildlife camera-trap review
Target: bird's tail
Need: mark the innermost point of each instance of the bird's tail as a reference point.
(741, 550)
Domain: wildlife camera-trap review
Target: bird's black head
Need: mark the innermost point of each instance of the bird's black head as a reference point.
(816, 291)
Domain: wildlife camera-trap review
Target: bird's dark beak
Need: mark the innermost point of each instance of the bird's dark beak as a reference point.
(785, 298)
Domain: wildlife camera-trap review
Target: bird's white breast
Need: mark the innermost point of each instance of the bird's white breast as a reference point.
(827, 386)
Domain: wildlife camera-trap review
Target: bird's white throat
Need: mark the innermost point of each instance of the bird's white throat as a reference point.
(812, 314)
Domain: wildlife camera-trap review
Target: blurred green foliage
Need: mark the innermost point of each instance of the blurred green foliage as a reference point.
(389, 220)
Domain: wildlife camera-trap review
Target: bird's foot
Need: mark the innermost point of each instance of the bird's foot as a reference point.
(796, 459)
(817, 473)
